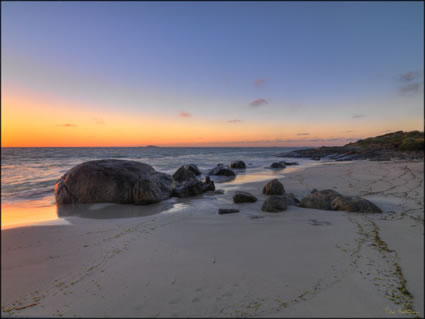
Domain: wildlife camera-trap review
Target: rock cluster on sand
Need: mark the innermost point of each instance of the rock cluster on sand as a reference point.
(275, 203)
(244, 197)
(221, 170)
(113, 181)
(329, 199)
(274, 187)
(237, 164)
(186, 172)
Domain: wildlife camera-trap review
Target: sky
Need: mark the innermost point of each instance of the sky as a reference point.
(209, 73)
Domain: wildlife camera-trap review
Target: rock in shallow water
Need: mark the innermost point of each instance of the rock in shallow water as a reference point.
(277, 166)
(274, 187)
(186, 172)
(113, 181)
(193, 187)
(221, 170)
(244, 197)
(275, 203)
(237, 164)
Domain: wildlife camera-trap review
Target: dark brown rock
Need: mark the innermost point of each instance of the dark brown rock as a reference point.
(354, 204)
(193, 187)
(244, 197)
(221, 170)
(223, 211)
(275, 203)
(320, 199)
(274, 187)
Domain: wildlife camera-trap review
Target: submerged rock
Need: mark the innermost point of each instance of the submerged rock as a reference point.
(219, 191)
(289, 163)
(275, 203)
(223, 211)
(193, 187)
(274, 187)
(186, 172)
(221, 170)
(113, 181)
(237, 164)
(244, 197)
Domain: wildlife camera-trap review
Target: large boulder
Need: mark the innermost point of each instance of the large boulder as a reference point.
(244, 197)
(113, 181)
(275, 203)
(274, 187)
(354, 204)
(237, 164)
(186, 172)
(221, 170)
(193, 187)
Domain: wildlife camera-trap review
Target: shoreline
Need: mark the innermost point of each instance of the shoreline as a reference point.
(193, 262)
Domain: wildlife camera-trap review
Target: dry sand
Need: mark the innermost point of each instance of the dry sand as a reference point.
(189, 261)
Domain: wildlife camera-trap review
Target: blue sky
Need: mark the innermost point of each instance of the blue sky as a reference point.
(303, 62)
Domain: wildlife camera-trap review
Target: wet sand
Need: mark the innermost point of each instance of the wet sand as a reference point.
(190, 261)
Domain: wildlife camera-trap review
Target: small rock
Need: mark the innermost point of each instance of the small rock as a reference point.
(320, 200)
(244, 197)
(219, 192)
(223, 211)
(274, 187)
(275, 203)
(237, 164)
(289, 163)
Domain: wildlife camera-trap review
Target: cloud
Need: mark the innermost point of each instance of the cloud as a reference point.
(67, 125)
(98, 120)
(409, 76)
(348, 131)
(259, 82)
(357, 116)
(303, 134)
(412, 83)
(184, 114)
(233, 121)
(411, 88)
(258, 102)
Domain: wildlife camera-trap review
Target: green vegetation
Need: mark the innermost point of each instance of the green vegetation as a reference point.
(403, 141)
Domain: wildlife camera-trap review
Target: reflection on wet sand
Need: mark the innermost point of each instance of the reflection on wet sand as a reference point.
(111, 210)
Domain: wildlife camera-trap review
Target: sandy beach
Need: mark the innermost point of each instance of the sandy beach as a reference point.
(184, 260)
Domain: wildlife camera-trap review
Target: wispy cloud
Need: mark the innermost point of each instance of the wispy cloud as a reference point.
(233, 121)
(258, 102)
(184, 114)
(412, 83)
(98, 120)
(411, 88)
(409, 76)
(357, 116)
(281, 140)
(67, 125)
(259, 82)
(303, 134)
